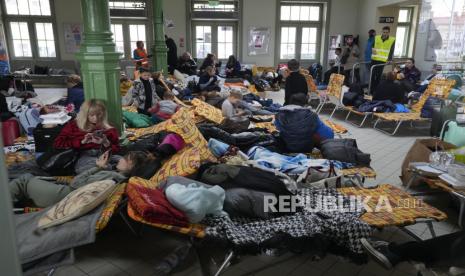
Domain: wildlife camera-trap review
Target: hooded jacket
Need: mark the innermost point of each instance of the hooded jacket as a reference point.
(297, 126)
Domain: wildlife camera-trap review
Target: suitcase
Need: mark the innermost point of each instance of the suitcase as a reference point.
(10, 131)
(44, 137)
(453, 133)
(440, 116)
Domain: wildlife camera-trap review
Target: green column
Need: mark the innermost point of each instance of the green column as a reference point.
(99, 59)
(159, 50)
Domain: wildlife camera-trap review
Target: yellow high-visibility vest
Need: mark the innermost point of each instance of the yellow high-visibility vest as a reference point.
(382, 48)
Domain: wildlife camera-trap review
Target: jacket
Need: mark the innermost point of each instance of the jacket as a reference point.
(188, 67)
(297, 125)
(412, 75)
(389, 90)
(229, 177)
(295, 83)
(71, 136)
(369, 46)
(76, 96)
(377, 106)
(236, 69)
(384, 48)
(94, 175)
(138, 94)
(351, 59)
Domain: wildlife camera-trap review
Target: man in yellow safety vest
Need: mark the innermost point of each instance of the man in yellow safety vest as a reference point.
(383, 49)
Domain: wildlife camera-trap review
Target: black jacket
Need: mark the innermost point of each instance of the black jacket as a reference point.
(389, 90)
(295, 83)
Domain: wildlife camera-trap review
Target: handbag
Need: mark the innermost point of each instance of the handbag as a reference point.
(315, 174)
(58, 162)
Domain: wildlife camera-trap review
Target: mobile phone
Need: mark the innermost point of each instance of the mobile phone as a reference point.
(98, 133)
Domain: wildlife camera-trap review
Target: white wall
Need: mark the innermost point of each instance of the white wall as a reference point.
(66, 12)
(175, 10)
(259, 13)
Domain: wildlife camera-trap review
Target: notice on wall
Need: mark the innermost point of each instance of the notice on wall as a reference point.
(386, 19)
(259, 41)
(73, 37)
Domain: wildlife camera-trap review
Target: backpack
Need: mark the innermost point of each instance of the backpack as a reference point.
(430, 104)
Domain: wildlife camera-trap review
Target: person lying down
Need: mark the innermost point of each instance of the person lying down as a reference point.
(37, 191)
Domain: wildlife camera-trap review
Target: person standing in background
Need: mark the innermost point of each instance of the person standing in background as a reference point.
(382, 52)
(140, 56)
(172, 54)
(368, 48)
(350, 58)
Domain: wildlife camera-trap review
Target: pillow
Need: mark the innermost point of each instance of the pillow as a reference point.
(77, 203)
(111, 203)
(183, 163)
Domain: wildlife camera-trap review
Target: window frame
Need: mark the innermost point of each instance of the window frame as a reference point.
(319, 25)
(128, 48)
(214, 39)
(409, 26)
(129, 20)
(223, 18)
(31, 20)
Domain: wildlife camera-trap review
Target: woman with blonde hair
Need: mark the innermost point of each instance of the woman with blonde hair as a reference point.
(90, 134)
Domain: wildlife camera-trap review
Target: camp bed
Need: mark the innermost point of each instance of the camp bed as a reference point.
(400, 216)
(437, 88)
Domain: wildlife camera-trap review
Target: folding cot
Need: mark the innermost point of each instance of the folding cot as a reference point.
(402, 215)
(332, 94)
(438, 88)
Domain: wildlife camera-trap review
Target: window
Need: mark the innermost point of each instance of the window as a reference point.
(129, 24)
(214, 28)
(30, 28)
(45, 40)
(21, 40)
(225, 41)
(28, 7)
(203, 41)
(299, 31)
(137, 33)
(288, 36)
(118, 37)
(217, 38)
(404, 25)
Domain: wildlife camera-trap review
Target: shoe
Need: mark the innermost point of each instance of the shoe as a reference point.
(379, 251)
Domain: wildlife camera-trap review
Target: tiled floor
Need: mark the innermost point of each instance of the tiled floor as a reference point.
(118, 252)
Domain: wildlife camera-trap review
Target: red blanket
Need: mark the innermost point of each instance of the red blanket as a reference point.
(153, 206)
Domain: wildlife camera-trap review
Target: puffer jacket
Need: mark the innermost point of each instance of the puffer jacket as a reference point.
(297, 126)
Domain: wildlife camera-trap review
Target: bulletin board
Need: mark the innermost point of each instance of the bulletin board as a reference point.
(259, 41)
(73, 37)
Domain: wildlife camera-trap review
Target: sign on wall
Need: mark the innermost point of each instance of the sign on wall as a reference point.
(386, 19)
(259, 41)
(73, 37)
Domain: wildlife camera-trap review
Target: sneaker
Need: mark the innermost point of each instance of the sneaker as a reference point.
(379, 251)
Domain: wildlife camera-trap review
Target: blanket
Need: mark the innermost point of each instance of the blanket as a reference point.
(341, 230)
(35, 245)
